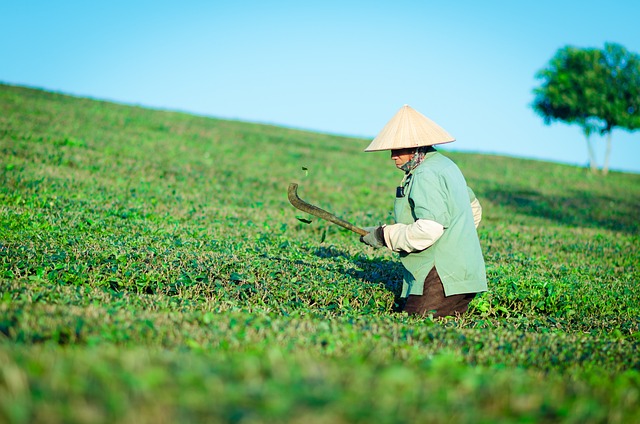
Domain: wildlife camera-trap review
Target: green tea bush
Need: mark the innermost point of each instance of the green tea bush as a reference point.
(151, 263)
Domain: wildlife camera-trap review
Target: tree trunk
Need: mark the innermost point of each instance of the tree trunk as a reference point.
(605, 167)
(592, 157)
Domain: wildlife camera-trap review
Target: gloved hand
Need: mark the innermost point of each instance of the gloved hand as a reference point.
(375, 238)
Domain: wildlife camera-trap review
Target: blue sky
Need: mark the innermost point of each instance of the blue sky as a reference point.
(342, 67)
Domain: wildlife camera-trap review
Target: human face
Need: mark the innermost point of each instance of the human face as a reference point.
(402, 156)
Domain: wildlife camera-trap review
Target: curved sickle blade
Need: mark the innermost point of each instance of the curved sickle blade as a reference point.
(320, 213)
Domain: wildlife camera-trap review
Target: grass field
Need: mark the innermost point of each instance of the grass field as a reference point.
(152, 270)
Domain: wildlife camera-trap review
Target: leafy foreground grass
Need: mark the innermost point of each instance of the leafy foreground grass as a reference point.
(276, 384)
(152, 270)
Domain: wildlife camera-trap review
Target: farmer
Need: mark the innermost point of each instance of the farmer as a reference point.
(436, 217)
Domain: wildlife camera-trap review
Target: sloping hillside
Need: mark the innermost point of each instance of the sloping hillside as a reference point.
(150, 262)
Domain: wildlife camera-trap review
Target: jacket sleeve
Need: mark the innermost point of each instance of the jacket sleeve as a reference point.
(412, 237)
(476, 208)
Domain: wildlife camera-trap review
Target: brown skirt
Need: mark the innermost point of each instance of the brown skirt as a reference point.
(433, 300)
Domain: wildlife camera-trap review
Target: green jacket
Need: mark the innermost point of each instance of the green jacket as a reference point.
(436, 190)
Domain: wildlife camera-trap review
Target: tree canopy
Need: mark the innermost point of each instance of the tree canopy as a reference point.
(597, 89)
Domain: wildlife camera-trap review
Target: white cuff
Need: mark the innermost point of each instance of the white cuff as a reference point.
(413, 237)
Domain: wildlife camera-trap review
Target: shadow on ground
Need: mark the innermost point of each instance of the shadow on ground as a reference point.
(378, 271)
(576, 209)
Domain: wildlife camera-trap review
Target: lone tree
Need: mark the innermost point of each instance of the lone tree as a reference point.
(599, 90)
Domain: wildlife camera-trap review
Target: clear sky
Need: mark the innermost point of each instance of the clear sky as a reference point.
(341, 67)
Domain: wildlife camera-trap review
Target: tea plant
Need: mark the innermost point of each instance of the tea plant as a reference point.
(150, 264)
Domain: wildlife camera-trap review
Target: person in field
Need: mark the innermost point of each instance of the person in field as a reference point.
(436, 218)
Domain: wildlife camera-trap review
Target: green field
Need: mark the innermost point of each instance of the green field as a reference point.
(152, 270)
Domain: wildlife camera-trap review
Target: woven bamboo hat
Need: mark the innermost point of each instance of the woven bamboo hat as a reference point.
(407, 129)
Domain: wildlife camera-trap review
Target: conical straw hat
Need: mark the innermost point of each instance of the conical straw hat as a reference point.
(407, 129)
